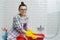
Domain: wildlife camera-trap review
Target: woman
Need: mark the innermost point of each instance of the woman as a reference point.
(19, 23)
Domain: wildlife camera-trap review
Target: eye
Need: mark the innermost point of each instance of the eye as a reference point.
(23, 9)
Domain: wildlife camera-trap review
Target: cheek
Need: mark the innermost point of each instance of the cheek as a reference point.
(22, 11)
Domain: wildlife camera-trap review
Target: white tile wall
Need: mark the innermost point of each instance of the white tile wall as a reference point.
(40, 12)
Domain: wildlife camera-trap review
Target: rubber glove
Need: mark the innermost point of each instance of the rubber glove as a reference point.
(30, 33)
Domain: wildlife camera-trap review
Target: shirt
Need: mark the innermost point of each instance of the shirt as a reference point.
(16, 27)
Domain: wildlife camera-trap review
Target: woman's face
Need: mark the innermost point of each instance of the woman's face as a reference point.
(23, 10)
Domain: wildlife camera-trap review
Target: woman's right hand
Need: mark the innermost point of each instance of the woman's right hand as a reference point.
(30, 33)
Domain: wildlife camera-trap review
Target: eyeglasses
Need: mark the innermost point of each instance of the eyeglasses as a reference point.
(23, 9)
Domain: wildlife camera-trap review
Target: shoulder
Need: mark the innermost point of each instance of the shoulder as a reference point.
(27, 17)
(16, 16)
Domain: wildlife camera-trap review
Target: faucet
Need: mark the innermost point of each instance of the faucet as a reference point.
(40, 29)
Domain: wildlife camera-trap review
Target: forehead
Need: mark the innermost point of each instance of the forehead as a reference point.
(23, 7)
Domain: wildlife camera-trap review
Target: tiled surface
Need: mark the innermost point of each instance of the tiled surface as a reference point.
(40, 12)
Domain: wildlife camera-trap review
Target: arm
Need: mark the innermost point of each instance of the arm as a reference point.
(17, 26)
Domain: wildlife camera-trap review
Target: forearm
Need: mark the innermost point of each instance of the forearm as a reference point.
(22, 30)
(17, 25)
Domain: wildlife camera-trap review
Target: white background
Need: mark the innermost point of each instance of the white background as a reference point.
(40, 12)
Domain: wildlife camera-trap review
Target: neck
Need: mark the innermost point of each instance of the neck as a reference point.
(22, 15)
